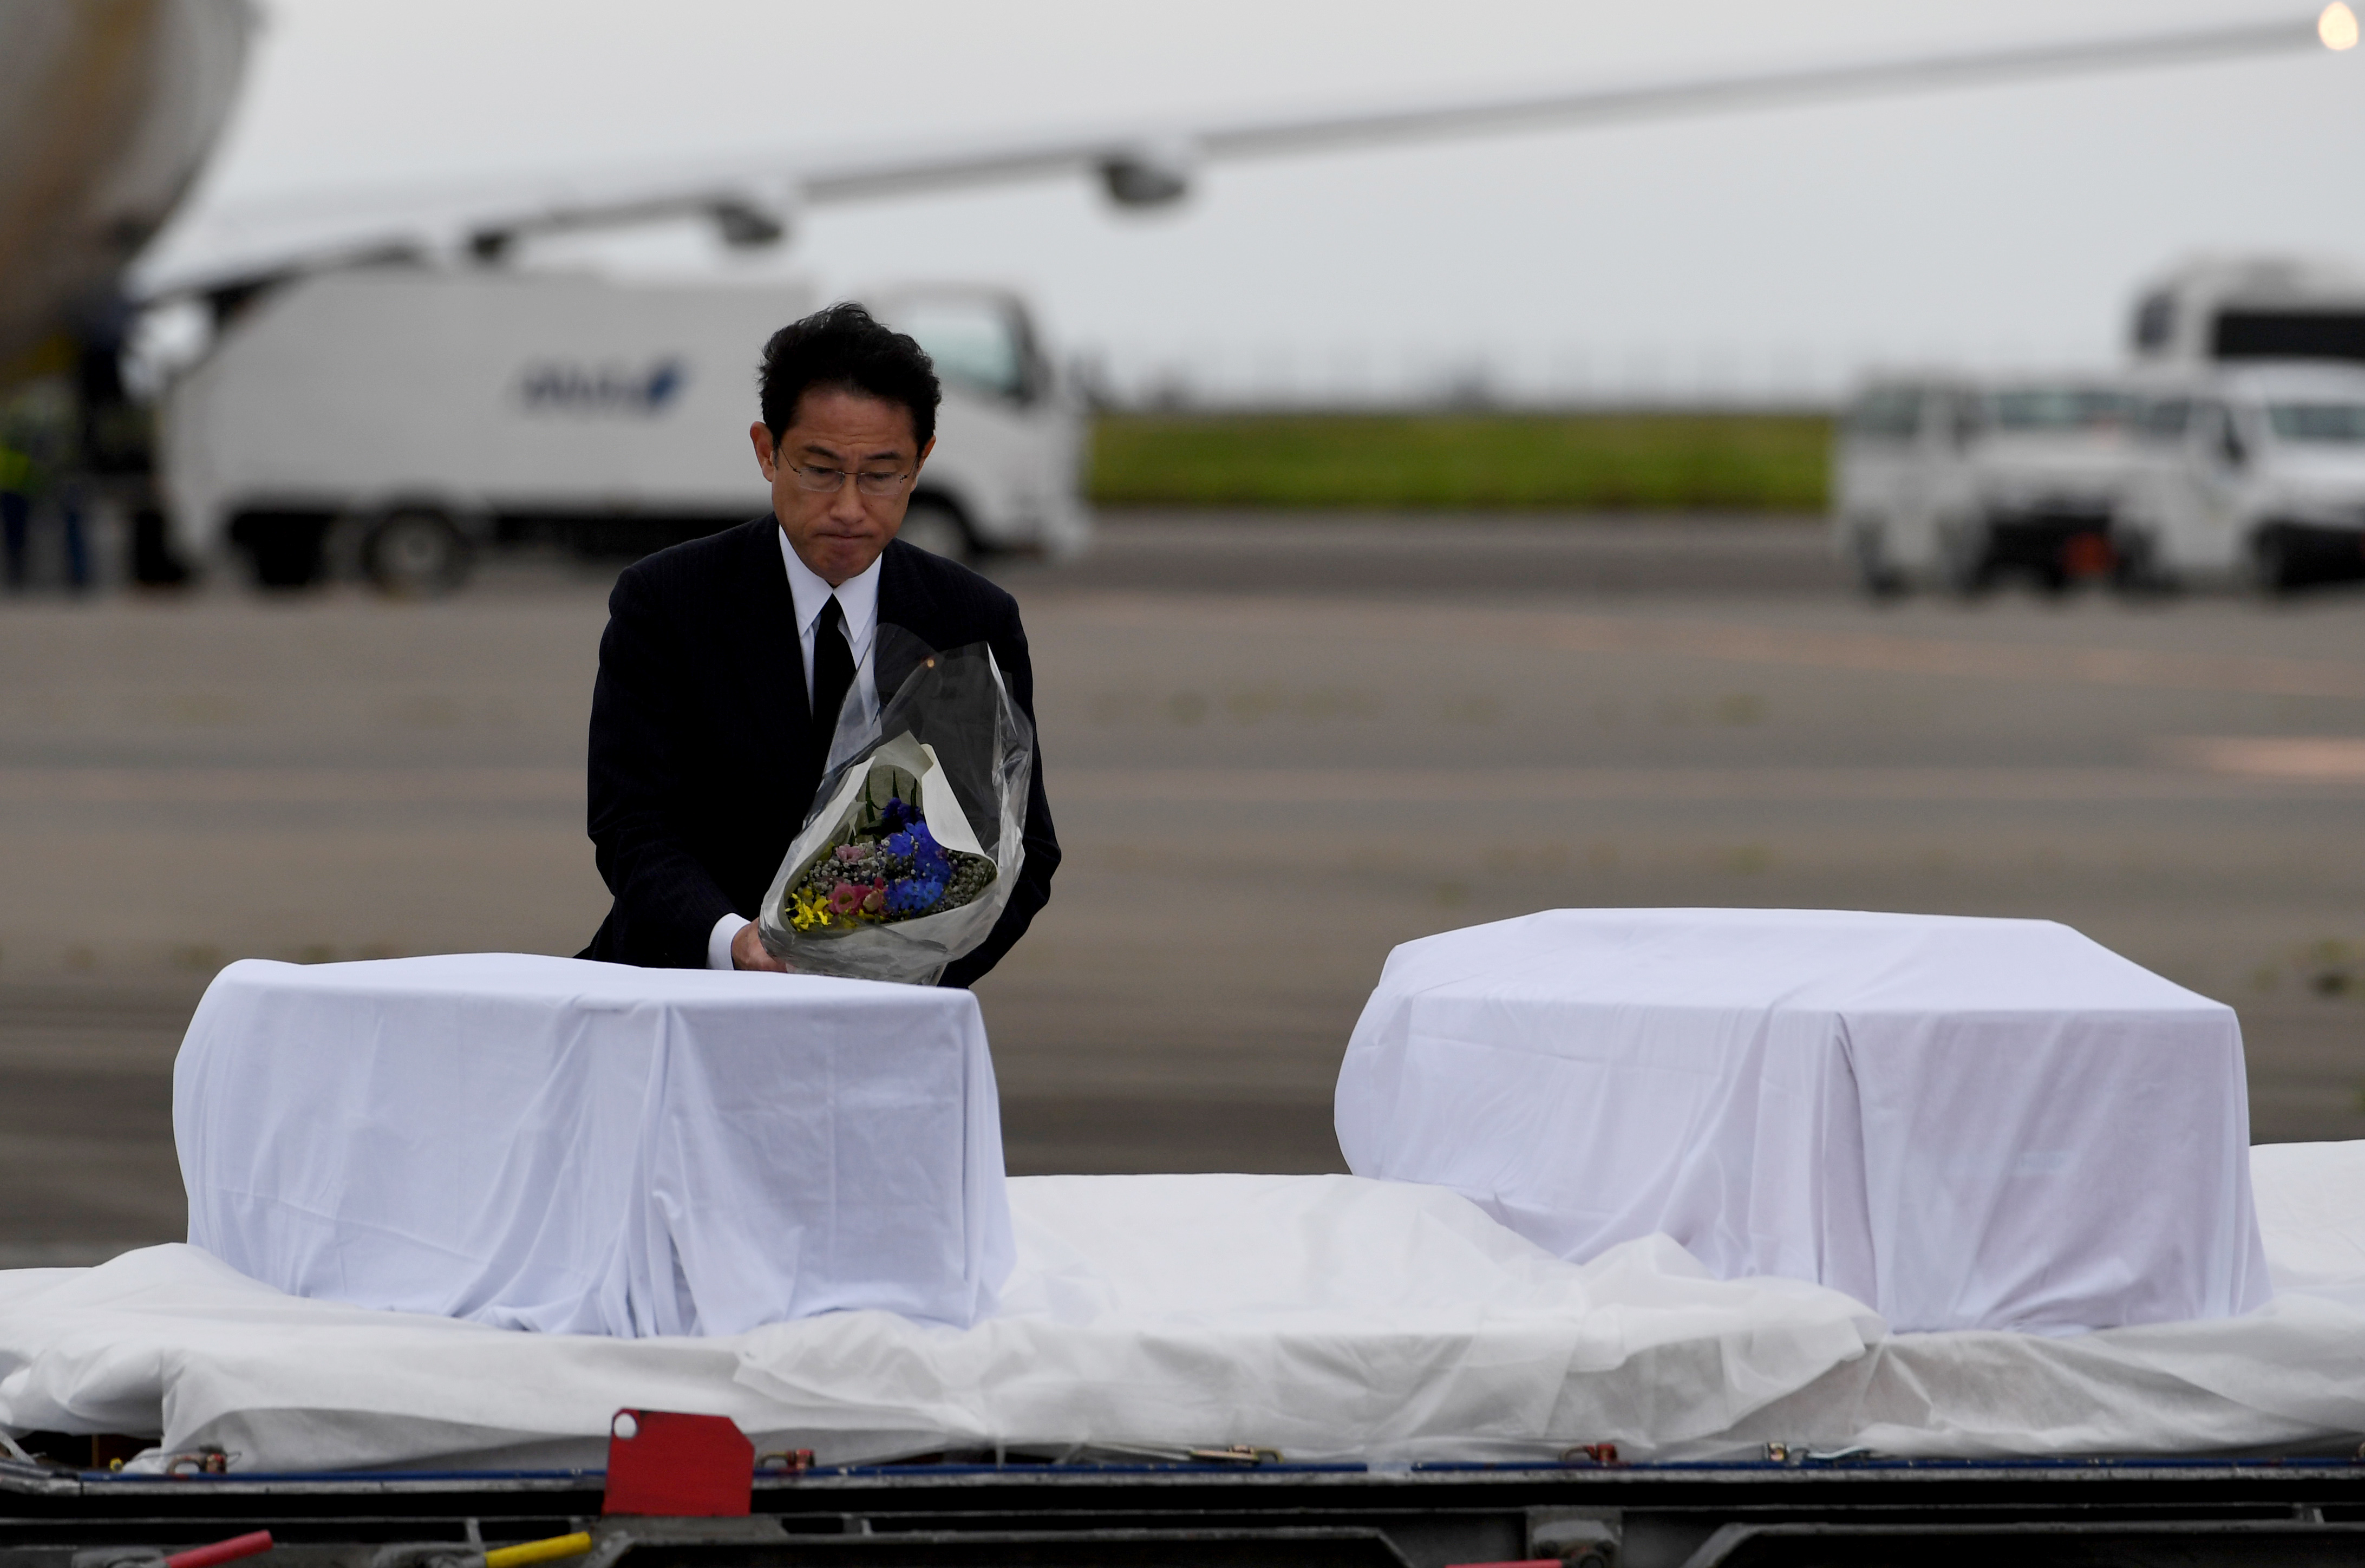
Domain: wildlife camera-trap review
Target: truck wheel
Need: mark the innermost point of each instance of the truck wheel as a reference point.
(153, 565)
(285, 548)
(2137, 571)
(2272, 570)
(935, 528)
(1970, 567)
(1869, 556)
(416, 555)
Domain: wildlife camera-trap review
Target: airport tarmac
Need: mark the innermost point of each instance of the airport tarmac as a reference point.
(1274, 748)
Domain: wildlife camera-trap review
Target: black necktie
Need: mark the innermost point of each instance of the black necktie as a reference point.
(832, 674)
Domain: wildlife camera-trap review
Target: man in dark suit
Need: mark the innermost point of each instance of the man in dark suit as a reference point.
(726, 659)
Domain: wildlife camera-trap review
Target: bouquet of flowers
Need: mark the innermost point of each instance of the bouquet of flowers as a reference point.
(891, 866)
(909, 854)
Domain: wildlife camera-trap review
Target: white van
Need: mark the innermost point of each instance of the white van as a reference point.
(420, 413)
(1900, 471)
(2251, 476)
(1945, 482)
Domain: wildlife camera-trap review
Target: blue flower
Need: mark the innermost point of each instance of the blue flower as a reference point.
(911, 894)
(899, 844)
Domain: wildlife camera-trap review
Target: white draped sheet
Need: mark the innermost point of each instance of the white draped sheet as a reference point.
(579, 1148)
(1334, 1317)
(1967, 1124)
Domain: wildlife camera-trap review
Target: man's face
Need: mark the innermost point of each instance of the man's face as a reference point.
(839, 531)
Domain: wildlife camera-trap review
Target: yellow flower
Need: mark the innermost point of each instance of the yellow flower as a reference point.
(809, 912)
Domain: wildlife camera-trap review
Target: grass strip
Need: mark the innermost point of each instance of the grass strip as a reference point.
(1485, 462)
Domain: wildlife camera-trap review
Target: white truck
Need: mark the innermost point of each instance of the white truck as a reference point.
(415, 414)
(2225, 454)
(2250, 476)
(2213, 310)
(1943, 482)
(1899, 472)
(2250, 469)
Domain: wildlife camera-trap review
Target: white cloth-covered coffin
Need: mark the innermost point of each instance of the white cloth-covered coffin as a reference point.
(543, 1143)
(1967, 1124)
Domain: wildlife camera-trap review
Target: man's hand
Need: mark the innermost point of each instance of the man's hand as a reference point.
(749, 952)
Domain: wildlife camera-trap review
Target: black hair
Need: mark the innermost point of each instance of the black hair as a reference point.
(846, 347)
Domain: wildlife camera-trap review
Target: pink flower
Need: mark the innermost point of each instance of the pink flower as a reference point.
(848, 852)
(875, 902)
(846, 899)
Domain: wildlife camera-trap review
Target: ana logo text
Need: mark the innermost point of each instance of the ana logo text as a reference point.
(559, 387)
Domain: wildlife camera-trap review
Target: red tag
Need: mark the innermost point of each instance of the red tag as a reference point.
(670, 1465)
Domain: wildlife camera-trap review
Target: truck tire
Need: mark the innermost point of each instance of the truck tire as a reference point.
(2273, 571)
(153, 565)
(937, 529)
(1868, 555)
(2136, 571)
(416, 555)
(1970, 566)
(286, 550)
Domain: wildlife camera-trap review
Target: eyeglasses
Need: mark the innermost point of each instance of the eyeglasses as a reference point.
(823, 481)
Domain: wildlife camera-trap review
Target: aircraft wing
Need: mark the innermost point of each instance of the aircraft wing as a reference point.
(755, 202)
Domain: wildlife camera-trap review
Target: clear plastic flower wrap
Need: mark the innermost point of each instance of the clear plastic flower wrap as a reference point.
(915, 836)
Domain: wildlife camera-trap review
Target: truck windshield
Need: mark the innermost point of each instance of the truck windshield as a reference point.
(2289, 334)
(2318, 421)
(1886, 413)
(974, 343)
(2061, 408)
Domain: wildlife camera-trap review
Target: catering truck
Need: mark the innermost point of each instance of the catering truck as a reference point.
(1943, 482)
(2213, 309)
(405, 417)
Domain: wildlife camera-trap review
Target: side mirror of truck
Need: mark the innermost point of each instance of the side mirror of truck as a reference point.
(2231, 448)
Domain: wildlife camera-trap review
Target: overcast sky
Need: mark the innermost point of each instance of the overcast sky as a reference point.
(1746, 252)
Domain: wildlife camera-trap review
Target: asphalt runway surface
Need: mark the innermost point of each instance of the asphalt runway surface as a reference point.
(1274, 749)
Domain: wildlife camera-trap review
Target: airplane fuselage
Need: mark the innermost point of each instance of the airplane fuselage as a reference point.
(108, 109)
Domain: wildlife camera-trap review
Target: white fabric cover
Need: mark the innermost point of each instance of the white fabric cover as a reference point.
(1967, 1124)
(579, 1147)
(1337, 1317)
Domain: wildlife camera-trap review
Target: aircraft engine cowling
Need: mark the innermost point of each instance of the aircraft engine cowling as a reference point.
(747, 225)
(1149, 175)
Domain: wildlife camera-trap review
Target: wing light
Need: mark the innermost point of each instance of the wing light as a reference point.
(2336, 25)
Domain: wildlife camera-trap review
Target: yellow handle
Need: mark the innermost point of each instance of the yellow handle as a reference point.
(574, 1545)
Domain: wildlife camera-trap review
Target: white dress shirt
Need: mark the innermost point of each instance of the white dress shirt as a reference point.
(858, 600)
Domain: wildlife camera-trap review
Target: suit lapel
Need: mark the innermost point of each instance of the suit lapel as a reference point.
(905, 603)
(772, 671)
(900, 595)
